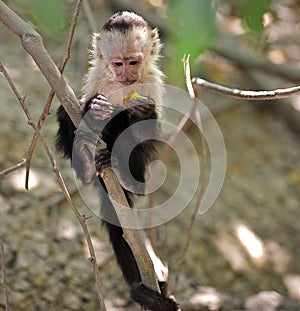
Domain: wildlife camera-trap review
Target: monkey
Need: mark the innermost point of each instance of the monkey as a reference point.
(124, 56)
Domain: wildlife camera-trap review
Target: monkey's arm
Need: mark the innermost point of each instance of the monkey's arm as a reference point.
(66, 133)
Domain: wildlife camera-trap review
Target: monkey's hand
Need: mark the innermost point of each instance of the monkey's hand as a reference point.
(141, 108)
(101, 109)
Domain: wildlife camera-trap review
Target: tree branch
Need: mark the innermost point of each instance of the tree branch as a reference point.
(13, 168)
(33, 44)
(194, 95)
(45, 112)
(248, 95)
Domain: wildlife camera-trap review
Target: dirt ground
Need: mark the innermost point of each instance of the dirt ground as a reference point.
(247, 243)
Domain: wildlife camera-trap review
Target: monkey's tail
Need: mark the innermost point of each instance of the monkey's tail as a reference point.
(143, 295)
(123, 252)
(124, 255)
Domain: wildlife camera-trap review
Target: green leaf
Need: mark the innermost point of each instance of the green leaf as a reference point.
(193, 24)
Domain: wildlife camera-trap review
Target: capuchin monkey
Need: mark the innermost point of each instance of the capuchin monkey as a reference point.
(124, 58)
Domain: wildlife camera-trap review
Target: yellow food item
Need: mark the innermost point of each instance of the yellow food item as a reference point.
(132, 95)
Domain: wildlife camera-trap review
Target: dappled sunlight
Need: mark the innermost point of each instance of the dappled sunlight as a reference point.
(292, 283)
(247, 253)
(276, 56)
(264, 301)
(267, 19)
(231, 251)
(17, 180)
(279, 256)
(207, 297)
(252, 244)
(234, 25)
(100, 249)
(66, 229)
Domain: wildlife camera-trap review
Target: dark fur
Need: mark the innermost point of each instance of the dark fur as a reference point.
(123, 21)
(139, 158)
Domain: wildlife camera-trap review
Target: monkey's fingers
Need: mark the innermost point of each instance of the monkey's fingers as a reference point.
(101, 109)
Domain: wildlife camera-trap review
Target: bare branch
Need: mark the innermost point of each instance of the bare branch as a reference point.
(13, 168)
(45, 112)
(248, 95)
(27, 113)
(194, 96)
(33, 44)
(82, 221)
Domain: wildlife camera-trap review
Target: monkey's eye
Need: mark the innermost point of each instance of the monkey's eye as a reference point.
(133, 62)
(117, 64)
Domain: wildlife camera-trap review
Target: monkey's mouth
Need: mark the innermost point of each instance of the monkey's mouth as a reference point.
(127, 82)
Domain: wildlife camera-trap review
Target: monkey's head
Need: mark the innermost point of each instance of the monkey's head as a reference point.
(126, 45)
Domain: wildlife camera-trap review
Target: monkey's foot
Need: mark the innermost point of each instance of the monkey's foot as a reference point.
(102, 161)
(84, 149)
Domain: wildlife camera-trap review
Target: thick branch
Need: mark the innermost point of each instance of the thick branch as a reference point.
(132, 236)
(249, 95)
(45, 112)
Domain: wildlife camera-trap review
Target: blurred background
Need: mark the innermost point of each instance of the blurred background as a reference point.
(244, 252)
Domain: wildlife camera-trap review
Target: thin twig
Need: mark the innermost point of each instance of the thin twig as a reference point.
(81, 219)
(3, 271)
(194, 96)
(249, 95)
(33, 43)
(27, 113)
(45, 112)
(13, 168)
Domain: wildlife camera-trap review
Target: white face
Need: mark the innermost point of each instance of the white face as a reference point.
(126, 69)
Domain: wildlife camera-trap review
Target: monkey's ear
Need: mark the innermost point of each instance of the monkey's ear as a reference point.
(96, 45)
(156, 46)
